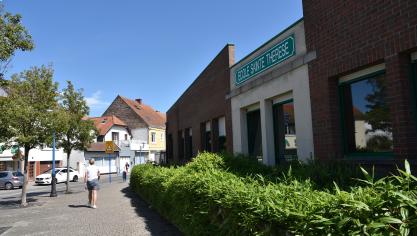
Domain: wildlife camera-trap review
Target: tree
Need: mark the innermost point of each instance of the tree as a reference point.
(31, 94)
(74, 132)
(378, 114)
(13, 36)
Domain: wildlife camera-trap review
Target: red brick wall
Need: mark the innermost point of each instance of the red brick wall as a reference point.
(120, 109)
(349, 36)
(204, 100)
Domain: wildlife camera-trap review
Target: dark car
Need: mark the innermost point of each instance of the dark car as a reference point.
(11, 179)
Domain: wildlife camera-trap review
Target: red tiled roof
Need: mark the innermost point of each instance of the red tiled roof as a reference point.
(148, 114)
(104, 123)
(100, 147)
(357, 114)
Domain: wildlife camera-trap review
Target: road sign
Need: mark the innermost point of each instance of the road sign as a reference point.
(109, 147)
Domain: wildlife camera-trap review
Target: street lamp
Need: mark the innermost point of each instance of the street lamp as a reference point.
(53, 183)
(143, 154)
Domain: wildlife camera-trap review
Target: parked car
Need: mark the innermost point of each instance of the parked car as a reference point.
(11, 179)
(60, 175)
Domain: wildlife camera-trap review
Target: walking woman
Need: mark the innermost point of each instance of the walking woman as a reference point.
(91, 177)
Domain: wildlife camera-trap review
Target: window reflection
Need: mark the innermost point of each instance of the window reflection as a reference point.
(366, 116)
(285, 132)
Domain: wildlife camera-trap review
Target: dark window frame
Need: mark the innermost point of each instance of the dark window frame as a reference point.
(413, 77)
(357, 155)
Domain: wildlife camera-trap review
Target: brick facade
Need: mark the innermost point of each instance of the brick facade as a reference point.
(203, 101)
(120, 109)
(351, 35)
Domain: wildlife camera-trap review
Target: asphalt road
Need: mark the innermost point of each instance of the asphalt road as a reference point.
(34, 189)
(45, 190)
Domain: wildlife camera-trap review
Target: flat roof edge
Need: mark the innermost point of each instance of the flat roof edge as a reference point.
(276, 36)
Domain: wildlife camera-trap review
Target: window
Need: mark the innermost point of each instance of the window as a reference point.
(222, 134)
(207, 136)
(285, 138)
(188, 143)
(366, 123)
(153, 137)
(125, 136)
(181, 148)
(100, 138)
(115, 136)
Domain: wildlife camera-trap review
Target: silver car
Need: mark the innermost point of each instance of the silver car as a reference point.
(11, 179)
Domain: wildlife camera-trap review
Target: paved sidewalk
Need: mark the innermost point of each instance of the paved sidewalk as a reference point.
(119, 212)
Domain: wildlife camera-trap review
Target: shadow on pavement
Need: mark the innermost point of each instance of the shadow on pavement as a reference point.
(155, 223)
(10, 204)
(78, 206)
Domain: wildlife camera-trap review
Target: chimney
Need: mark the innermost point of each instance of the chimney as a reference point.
(139, 100)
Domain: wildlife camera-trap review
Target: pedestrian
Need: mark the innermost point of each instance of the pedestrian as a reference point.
(124, 176)
(91, 177)
(127, 167)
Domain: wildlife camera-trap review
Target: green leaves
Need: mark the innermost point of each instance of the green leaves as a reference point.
(13, 36)
(25, 112)
(73, 132)
(206, 198)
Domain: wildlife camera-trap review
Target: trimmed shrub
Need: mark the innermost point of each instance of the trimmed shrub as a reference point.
(205, 198)
(321, 173)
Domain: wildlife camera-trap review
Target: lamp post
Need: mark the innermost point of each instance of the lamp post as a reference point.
(53, 176)
(53, 184)
(143, 154)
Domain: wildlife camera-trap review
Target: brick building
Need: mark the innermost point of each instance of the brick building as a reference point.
(366, 61)
(200, 119)
(146, 126)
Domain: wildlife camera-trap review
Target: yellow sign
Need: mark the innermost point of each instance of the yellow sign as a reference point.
(109, 147)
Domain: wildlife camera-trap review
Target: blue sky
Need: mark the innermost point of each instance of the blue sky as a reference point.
(142, 49)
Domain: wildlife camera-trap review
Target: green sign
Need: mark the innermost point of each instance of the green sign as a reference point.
(275, 55)
(1, 149)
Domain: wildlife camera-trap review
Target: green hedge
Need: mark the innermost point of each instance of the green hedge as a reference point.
(205, 197)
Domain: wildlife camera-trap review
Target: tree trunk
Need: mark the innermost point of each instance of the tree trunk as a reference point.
(25, 178)
(68, 172)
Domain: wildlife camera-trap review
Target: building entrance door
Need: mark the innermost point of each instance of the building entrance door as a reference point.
(284, 132)
(253, 119)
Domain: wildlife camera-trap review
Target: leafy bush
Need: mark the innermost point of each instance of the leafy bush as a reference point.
(321, 173)
(205, 198)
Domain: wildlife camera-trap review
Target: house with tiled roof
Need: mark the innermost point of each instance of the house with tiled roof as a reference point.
(146, 126)
(110, 128)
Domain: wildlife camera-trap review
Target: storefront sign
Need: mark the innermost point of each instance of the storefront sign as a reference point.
(273, 56)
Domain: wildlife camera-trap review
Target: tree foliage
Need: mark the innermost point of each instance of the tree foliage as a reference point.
(378, 114)
(13, 36)
(25, 118)
(73, 132)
